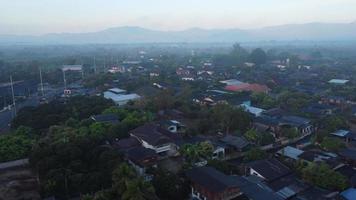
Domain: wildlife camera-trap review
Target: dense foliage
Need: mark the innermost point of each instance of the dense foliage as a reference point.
(16, 145)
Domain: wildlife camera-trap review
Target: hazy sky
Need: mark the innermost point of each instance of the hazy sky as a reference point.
(44, 16)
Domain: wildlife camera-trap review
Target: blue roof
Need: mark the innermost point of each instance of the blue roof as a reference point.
(338, 81)
(291, 152)
(349, 194)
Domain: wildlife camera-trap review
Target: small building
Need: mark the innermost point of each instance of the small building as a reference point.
(173, 126)
(303, 125)
(268, 169)
(141, 159)
(339, 81)
(349, 194)
(344, 134)
(119, 96)
(153, 137)
(290, 153)
(207, 183)
(349, 155)
(234, 144)
(105, 118)
(251, 109)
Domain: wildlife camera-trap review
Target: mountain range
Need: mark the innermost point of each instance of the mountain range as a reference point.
(127, 34)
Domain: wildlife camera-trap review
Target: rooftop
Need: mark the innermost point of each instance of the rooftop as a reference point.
(270, 169)
(338, 81)
(212, 179)
(290, 152)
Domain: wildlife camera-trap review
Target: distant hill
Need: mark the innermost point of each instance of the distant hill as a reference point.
(291, 32)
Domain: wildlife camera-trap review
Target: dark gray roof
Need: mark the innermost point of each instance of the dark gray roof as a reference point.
(152, 134)
(237, 142)
(271, 169)
(348, 154)
(111, 118)
(295, 120)
(255, 191)
(211, 179)
(127, 143)
(141, 156)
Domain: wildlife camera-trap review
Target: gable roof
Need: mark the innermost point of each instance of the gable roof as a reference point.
(291, 152)
(237, 142)
(270, 169)
(255, 191)
(211, 179)
(105, 118)
(154, 135)
(141, 156)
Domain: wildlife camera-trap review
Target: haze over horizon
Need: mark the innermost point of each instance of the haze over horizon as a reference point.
(39, 17)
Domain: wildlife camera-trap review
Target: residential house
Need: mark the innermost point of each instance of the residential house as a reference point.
(303, 125)
(173, 126)
(233, 144)
(349, 155)
(290, 153)
(141, 159)
(349, 194)
(346, 135)
(119, 97)
(154, 137)
(207, 183)
(105, 118)
(319, 156)
(268, 169)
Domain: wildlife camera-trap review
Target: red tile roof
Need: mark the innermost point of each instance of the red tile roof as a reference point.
(248, 87)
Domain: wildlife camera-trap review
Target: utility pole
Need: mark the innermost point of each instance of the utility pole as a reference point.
(42, 90)
(13, 95)
(64, 79)
(94, 65)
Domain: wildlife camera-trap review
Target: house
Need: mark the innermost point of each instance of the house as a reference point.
(290, 153)
(349, 194)
(232, 82)
(302, 124)
(119, 97)
(267, 124)
(349, 172)
(344, 134)
(349, 155)
(319, 110)
(248, 87)
(252, 188)
(233, 144)
(252, 110)
(141, 159)
(105, 118)
(318, 156)
(288, 186)
(334, 100)
(126, 143)
(268, 169)
(207, 183)
(153, 137)
(173, 126)
(338, 81)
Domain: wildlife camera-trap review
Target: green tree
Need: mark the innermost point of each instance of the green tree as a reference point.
(255, 154)
(258, 56)
(332, 144)
(323, 176)
(252, 135)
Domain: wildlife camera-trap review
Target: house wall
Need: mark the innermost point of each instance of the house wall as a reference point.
(253, 172)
